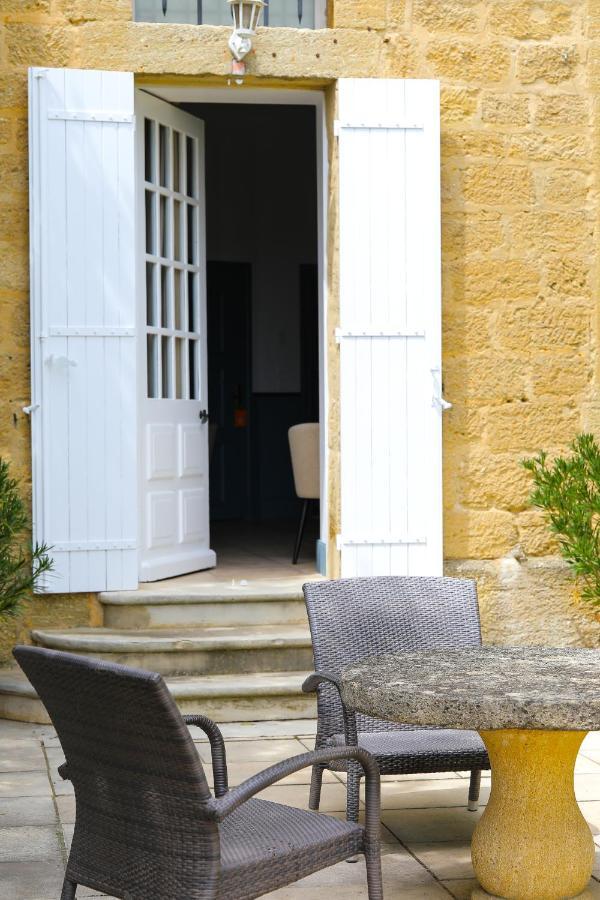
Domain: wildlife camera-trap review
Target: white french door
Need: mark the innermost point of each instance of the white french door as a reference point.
(173, 469)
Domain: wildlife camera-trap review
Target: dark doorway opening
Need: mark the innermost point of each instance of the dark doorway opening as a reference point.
(262, 309)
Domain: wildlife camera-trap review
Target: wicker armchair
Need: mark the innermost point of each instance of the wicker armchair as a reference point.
(147, 826)
(353, 618)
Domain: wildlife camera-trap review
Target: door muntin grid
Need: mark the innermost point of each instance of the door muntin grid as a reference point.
(172, 228)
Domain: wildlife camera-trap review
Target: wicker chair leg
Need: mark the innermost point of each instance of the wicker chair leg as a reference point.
(353, 792)
(69, 890)
(374, 877)
(474, 787)
(316, 781)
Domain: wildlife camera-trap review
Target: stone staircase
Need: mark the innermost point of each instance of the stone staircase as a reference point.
(234, 652)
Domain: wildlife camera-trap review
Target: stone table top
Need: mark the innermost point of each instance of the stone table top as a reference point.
(481, 689)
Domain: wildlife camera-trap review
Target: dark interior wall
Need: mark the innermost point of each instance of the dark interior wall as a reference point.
(261, 210)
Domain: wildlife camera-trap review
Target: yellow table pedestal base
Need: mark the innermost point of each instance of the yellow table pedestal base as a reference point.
(480, 894)
(532, 843)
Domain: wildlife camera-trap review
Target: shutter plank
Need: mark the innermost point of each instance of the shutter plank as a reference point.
(419, 411)
(54, 413)
(99, 349)
(386, 299)
(113, 497)
(126, 462)
(75, 162)
(398, 229)
(424, 311)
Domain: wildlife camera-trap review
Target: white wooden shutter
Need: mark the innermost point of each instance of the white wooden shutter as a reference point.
(83, 326)
(390, 332)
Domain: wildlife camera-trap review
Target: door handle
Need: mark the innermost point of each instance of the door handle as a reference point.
(203, 415)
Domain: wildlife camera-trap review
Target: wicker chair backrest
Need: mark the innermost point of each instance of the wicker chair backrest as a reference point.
(354, 618)
(142, 824)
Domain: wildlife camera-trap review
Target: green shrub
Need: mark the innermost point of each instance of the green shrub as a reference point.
(567, 488)
(21, 566)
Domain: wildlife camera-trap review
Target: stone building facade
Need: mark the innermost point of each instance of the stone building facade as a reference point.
(520, 208)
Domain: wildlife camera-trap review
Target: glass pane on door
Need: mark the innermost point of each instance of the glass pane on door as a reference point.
(166, 361)
(150, 149)
(193, 370)
(176, 161)
(151, 294)
(152, 364)
(150, 222)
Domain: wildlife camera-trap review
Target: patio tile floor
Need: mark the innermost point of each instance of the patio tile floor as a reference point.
(425, 826)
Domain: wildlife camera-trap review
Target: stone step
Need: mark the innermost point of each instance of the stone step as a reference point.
(191, 651)
(219, 604)
(258, 697)
(224, 698)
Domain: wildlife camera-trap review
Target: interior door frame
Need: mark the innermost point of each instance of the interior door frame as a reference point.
(284, 97)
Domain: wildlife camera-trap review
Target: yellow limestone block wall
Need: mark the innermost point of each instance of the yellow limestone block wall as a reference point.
(520, 245)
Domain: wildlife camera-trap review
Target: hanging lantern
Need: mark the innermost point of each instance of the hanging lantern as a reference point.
(246, 17)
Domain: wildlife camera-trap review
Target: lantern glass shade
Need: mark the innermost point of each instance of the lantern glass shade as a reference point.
(246, 15)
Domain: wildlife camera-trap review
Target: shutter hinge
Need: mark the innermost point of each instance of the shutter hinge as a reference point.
(85, 115)
(383, 540)
(341, 333)
(381, 126)
(90, 546)
(31, 408)
(100, 331)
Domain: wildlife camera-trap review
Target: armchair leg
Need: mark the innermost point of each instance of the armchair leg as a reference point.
(316, 781)
(300, 534)
(353, 792)
(474, 788)
(69, 890)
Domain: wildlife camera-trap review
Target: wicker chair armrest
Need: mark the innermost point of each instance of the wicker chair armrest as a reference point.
(238, 795)
(316, 678)
(313, 682)
(217, 751)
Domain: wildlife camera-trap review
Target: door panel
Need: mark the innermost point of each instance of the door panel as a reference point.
(162, 441)
(174, 485)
